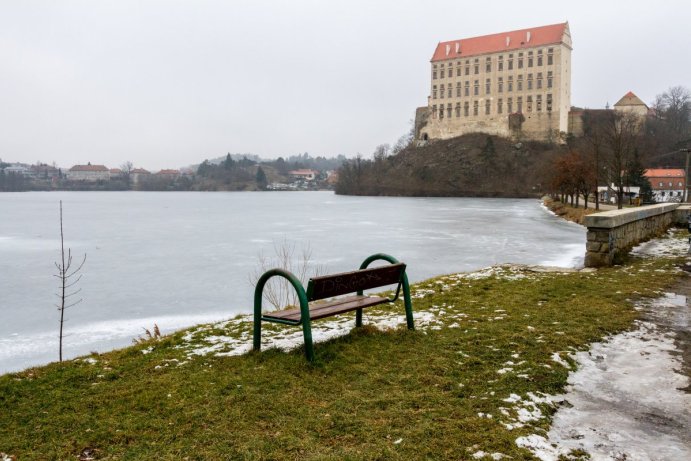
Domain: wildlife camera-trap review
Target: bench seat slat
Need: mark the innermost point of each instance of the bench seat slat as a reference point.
(327, 309)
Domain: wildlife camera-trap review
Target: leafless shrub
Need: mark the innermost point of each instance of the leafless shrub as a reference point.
(69, 277)
(278, 291)
(148, 335)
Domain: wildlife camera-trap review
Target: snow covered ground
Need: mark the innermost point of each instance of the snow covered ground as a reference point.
(629, 397)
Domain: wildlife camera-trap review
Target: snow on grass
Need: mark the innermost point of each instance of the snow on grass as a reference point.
(670, 246)
(625, 401)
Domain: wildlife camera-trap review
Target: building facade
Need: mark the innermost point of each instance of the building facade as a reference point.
(512, 84)
(88, 173)
(668, 184)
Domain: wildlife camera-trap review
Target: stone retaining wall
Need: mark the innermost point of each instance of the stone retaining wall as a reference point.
(612, 233)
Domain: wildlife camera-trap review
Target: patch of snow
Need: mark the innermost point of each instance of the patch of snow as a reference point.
(557, 358)
(626, 402)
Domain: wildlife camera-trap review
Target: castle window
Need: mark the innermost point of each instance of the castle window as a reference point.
(441, 111)
(509, 84)
(519, 104)
(500, 64)
(458, 69)
(448, 110)
(529, 103)
(434, 72)
(530, 59)
(539, 57)
(488, 65)
(441, 71)
(442, 91)
(519, 83)
(458, 110)
(476, 87)
(476, 106)
(549, 79)
(510, 62)
(530, 81)
(434, 92)
(549, 103)
(538, 103)
(466, 108)
(487, 106)
(550, 56)
(476, 66)
(458, 89)
(434, 111)
(520, 61)
(467, 67)
(500, 84)
(499, 106)
(509, 105)
(450, 91)
(466, 88)
(488, 85)
(539, 80)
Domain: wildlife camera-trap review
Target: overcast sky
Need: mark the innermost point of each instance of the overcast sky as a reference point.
(165, 84)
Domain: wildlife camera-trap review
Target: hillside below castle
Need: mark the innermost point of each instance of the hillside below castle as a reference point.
(473, 165)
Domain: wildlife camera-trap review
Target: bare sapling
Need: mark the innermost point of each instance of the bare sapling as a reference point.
(278, 291)
(69, 276)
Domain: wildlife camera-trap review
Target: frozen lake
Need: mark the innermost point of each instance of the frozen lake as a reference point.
(178, 258)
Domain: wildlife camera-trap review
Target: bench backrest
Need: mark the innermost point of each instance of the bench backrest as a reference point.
(329, 286)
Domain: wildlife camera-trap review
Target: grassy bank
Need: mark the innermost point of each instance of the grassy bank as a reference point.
(566, 211)
(471, 378)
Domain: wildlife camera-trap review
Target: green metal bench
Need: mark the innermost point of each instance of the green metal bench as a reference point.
(331, 286)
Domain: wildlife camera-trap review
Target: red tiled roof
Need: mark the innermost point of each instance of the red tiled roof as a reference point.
(168, 172)
(664, 173)
(630, 99)
(504, 41)
(301, 172)
(115, 170)
(139, 171)
(88, 168)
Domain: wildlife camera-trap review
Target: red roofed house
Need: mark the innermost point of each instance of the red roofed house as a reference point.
(307, 175)
(88, 172)
(138, 174)
(632, 103)
(668, 184)
(171, 174)
(478, 82)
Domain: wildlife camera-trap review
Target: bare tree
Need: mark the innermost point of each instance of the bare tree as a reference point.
(127, 168)
(69, 276)
(278, 291)
(674, 107)
(621, 135)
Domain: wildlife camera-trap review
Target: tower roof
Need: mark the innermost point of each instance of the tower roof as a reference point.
(504, 41)
(630, 99)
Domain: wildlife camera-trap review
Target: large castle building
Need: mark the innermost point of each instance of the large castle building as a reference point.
(512, 84)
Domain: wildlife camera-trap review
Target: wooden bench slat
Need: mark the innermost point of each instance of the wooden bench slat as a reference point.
(339, 306)
(329, 286)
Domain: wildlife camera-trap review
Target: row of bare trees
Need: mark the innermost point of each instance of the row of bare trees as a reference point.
(615, 145)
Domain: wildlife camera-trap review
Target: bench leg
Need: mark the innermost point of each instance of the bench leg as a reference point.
(307, 333)
(408, 303)
(358, 318)
(257, 336)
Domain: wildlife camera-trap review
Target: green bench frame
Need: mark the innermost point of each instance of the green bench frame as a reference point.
(330, 286)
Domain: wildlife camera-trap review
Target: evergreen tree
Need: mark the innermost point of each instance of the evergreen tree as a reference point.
(636, 178)
(228, 163)
(261, 178)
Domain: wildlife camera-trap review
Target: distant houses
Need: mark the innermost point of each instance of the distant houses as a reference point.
(88, 172)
